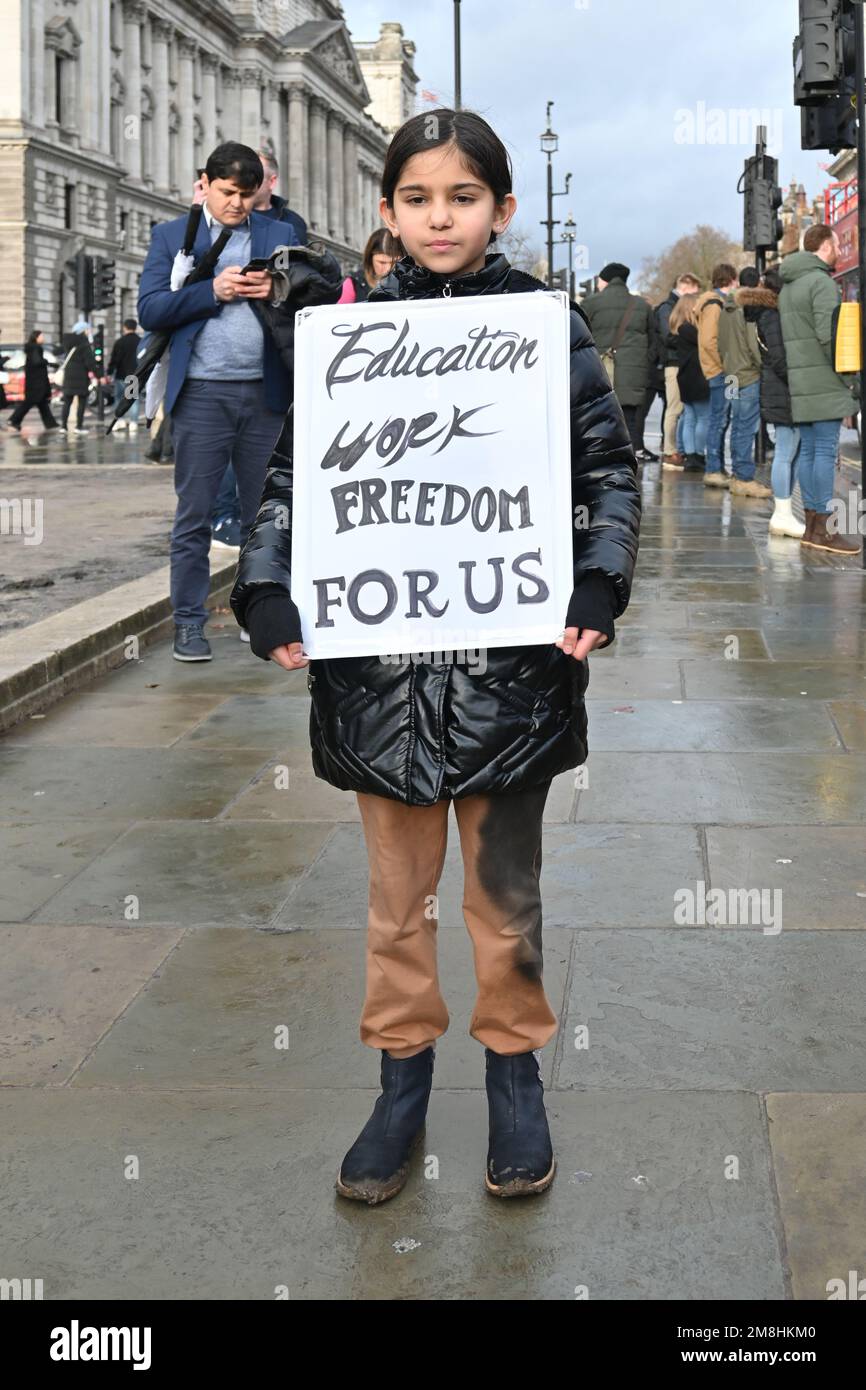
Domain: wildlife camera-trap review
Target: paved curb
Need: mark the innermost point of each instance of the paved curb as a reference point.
(41, 663)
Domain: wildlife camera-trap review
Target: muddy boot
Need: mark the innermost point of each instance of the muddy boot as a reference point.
(822, 539)
(377, 1165)
(809, 514)
(520, 1157)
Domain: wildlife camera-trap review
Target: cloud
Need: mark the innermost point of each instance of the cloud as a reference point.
(621, 74)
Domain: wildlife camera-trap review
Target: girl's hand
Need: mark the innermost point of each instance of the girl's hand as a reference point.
(290, 657)
(589, 639)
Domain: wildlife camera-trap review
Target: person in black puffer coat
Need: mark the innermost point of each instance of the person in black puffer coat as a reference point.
(37, 384)
(411, 738)
(79, 368)
(693, 388)
(776, 408)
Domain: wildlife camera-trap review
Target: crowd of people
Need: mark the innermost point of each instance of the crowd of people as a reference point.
(748, 352)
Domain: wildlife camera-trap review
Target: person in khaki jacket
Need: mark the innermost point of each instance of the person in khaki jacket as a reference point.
(740, 352)
(708, 309)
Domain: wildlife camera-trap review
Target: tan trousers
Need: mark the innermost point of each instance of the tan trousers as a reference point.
(500, 841)
(673, 409)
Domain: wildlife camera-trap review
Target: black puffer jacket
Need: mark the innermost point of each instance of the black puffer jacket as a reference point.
(775, 396)
(421, 733)
(690, 378)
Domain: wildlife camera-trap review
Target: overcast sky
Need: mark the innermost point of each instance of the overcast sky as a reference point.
(644, 91)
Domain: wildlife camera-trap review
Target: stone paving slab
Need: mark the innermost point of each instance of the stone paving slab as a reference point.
(683, 726)
(725, 788)
(192, 873)
(818, 1143)
(62, 988)
(209, 1019)
(37, 860)
(112, 719)
(743, 680)
(40, 784)
(820, 870)
(235, 1198)
(711, 1009)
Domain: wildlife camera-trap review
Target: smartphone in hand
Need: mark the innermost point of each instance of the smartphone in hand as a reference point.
(260, 263)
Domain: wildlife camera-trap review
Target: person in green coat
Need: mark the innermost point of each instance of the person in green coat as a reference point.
(639, 351)
(820, 397)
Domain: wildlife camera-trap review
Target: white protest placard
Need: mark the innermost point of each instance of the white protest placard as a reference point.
(432, 485)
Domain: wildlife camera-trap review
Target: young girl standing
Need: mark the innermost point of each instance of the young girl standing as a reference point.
(409, 739)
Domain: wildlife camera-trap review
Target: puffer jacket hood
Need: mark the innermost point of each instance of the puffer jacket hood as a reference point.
(752, 301)
(775, 396)
(419, 730)
(808, 303)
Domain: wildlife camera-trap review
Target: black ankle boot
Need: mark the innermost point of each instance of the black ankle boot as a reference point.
(519, 1153)
(377, 1165)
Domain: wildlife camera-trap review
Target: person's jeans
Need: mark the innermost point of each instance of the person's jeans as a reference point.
(720, 407)
(132, 413)
(681, 424)
(213, 422)
(745, 423)
(226, 503)
(500, 841)
(67, 407)
(696, 420)
(784, 466)
(819, 445)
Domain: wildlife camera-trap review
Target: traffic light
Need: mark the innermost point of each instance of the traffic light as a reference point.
(105, 277)
(99, 347)
(825, 65)
(83, 266)
(559, 280)
(762, 227)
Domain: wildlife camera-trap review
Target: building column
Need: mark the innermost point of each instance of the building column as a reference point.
(231, 112)
(186, 109)
(209, 65)
(251, 108)
(297, 183)
(160, 35)
(336, 205)
(350, 187)
(275, 125)
(133, 17)
(318, 172)
(37, 63)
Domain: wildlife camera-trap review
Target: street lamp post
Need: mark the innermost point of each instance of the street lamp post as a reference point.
(549, 146)
(569, 232)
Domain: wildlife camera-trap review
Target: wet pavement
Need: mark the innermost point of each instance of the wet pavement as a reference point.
(172, 1130)
(99, 515)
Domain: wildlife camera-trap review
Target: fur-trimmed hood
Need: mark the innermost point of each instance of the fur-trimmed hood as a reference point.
(758, 298)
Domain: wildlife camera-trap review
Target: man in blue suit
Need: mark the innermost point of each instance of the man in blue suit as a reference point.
(227, 389)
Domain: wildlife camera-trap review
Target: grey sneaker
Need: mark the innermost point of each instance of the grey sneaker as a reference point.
(190, 643)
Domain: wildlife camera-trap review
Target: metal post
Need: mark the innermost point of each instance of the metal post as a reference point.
(457, 77)
(549, 222)
(861, 218)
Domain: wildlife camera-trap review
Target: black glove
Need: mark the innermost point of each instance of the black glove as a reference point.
(272, 620)
(592, 604)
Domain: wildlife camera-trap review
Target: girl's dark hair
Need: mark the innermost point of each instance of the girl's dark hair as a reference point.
(380, 241)
(482, 150)
(33, 336)
(773, 280)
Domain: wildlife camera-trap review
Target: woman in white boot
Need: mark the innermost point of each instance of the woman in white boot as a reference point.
(776, 410)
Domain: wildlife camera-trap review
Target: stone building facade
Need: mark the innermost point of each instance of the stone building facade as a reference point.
(109, 107)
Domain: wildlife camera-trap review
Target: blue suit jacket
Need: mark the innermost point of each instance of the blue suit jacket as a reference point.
(184, 312)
